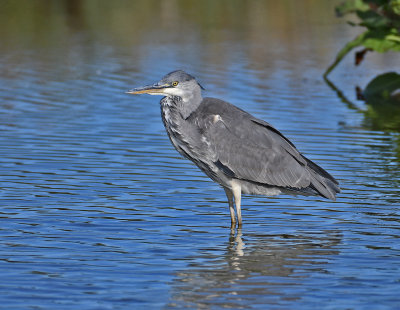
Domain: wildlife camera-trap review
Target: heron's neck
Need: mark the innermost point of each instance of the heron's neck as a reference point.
(188, 104)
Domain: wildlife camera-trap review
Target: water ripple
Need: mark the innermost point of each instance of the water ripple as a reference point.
(99, 211)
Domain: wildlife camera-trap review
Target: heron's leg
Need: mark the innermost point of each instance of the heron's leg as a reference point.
(237, 193)
(229, 194)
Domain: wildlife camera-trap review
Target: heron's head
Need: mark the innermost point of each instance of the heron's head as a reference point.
(176, 83)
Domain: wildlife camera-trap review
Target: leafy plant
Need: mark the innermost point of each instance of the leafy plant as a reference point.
(382, 20)
(384, 88)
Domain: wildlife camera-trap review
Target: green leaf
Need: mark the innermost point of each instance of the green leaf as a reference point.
(351, 7)
(395, 6)
(382, 88)
(383, 102)
(372, 20)
(381, 40)
(393, 37)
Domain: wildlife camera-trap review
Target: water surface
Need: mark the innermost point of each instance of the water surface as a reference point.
(98, 210)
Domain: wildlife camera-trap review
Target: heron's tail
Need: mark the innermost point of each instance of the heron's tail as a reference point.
(322, 182)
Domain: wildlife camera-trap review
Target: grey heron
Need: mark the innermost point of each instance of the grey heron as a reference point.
(244, 154)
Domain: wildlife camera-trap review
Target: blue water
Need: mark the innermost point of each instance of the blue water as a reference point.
(98, 211)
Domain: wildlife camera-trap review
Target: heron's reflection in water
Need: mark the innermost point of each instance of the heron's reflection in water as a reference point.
(255, 267)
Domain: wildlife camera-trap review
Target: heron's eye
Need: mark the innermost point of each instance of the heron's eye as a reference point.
(175, 83)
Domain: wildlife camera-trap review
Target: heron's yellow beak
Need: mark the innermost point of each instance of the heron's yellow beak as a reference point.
(151, 89)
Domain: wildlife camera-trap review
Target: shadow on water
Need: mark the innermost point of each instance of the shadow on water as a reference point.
(256, 272)
(378, 115)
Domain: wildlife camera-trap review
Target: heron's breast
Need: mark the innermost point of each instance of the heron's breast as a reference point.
(172, 122)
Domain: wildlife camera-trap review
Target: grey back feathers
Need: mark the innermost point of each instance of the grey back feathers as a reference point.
(252, 150)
